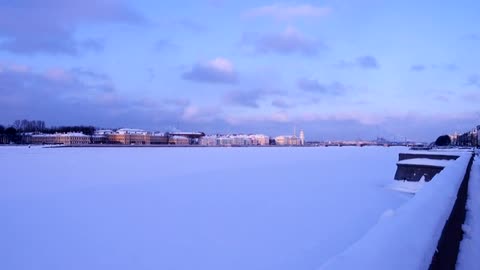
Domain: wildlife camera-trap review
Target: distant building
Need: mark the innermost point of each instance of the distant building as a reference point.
(210, 140)
(302, 137)
(224, 141)
(66, 138)
(129, 136)
(287, 140)
(235, 140)
(241, 140)
(74, 138)
(101, 136)
(454, 138)
(158, 138)
(260, 139)
(179, 140)
(44, 139)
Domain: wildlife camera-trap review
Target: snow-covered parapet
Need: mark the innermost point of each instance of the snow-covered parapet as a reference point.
(426, 162)
(468, 257)
(406, 238)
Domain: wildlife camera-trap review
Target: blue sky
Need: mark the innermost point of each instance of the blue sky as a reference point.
(337, 69)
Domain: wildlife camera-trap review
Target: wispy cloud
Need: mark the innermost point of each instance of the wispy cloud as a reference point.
(287, 12)
(441, 67)
(472, 37)
(282, 104)
(474, 80)
(218, 70)
(287, 42)
(363, 62)
(164, 44)
(313, 85)
(250, 98)
(418, 67)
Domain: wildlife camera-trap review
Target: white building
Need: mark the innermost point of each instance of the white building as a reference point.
(302, 137)
(260, 139)
(209, 140)
(241, 140)
(287, 140)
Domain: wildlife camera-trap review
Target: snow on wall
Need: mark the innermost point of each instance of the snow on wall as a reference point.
(426, 162)
(470, 245)
(407, 237)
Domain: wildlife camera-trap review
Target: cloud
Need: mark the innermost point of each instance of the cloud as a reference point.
(474, 80)
(192, 26)
(418, 67)
(287, 42)
(442, 98)
(472, 97)
(282, 104)
(444, 67)
(164, 44)
(363, 62)
(90, 74)
(250, 98)
(78, 96)
(49, 26)
(218, 70)
(313, 85)
(265, 119)
(472, 37)
(287, 12)
(199, 114)
(367, 62)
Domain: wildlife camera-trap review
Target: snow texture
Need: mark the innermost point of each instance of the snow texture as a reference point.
(192, 208)
(407, 237)
(469, 255)
(407, 186)
(426, 162)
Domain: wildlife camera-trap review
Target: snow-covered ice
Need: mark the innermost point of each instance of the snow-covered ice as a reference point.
(191, 208)
(469, 256)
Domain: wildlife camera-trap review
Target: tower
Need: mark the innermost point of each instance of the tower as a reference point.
(302, 137)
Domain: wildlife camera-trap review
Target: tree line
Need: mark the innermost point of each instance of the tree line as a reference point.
(18, 129)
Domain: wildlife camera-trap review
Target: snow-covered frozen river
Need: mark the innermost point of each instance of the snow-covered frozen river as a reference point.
(189, 208)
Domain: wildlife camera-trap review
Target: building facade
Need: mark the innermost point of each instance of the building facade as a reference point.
(287, 140)
(66, 139)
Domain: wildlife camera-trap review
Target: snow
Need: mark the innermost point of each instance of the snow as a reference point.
(442, 152)
(426, 162)
(195, 208)
(406, 238)
(469, 255)
(407, 186)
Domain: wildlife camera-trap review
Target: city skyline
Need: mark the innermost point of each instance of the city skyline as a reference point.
(338, 69)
